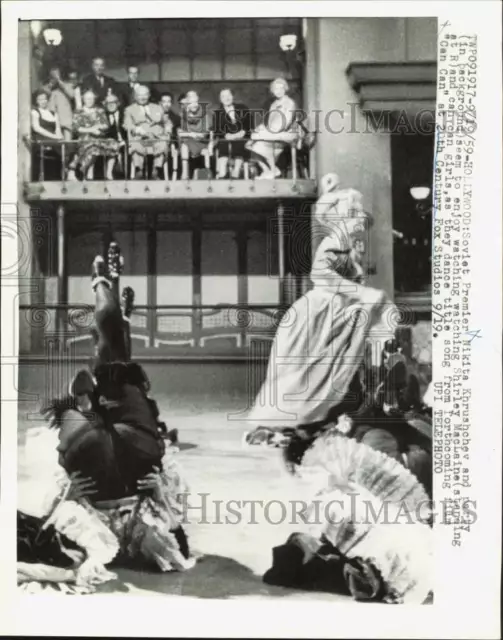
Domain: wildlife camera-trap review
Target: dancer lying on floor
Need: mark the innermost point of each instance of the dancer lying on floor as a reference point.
(115, 463)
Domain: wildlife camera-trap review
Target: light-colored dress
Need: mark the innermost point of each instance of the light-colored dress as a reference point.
(280, 119)
(320, 342)
(150, 119)
(60, 103)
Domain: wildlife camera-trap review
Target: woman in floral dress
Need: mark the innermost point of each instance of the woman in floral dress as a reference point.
(90, 124)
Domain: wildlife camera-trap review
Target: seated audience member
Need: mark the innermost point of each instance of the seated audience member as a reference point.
(231, 125)
(45, 127)
(100, 84)
(171, 122)
(90, 125)
(143, 121)
(194, 133)
(170, 118)
(278, 130)
(62, 96)
(116, 130)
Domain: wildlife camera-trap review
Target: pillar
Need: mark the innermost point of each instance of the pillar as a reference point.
(62, 269)
(361, 159)
(280, 212)
(31, 285)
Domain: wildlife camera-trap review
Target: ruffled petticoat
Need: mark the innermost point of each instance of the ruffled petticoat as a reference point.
(98, 547)
(134, 528)
(146, 531)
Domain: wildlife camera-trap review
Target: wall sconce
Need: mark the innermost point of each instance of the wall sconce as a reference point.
(53, 37)
(293, 53)
(421, 196)
(420, 193)
(288, 42)
(36, 28)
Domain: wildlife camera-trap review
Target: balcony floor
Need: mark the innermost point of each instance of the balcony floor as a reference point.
(172, 190)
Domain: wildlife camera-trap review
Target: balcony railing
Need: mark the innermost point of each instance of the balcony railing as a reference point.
(165, 331)
(54, 160)
(156, 329)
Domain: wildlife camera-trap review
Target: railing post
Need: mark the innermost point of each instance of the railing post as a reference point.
(294, 161)
(241, 238)
(197, 313)
(62, 272)
(63, 160)
(41, 174)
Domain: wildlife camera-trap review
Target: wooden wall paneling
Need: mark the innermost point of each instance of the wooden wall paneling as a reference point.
(254, 48)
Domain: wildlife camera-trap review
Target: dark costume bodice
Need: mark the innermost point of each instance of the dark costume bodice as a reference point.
(118, 441)
(48, 125)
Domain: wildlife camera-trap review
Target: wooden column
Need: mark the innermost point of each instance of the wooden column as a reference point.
(31, 285)
(62, 269)
(281, 250)
(152, 279)
(197, 315)
(310, 82)
(242, 246)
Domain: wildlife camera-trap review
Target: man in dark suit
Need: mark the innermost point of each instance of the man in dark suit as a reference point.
(171, 121)
(101, 84)
(232, 126)
(116, 130)
(133, 82)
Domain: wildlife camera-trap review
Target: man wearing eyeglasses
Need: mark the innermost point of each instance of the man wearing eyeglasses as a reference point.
(116, 129)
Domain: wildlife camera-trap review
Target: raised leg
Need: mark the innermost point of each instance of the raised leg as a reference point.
(110, 325)
(127, 300)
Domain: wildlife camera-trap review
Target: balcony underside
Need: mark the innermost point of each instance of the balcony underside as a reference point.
(174, 190)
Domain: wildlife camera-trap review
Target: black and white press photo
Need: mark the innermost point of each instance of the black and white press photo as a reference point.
(244, 331)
